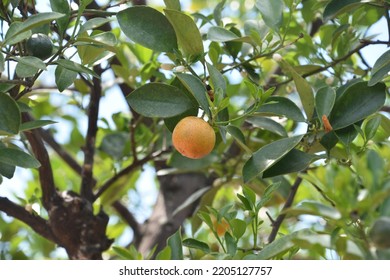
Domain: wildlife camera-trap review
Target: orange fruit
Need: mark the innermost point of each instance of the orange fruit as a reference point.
(193, 137)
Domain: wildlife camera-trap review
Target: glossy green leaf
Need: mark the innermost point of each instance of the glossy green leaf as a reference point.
(372, 126)
(282, 106)
(196, 244)
(61, 6)
(336, 7)
(231, 245)
(267, 156)
(7, 170)
(294, 161)
(236, 133)
(115, 144)
(105, 39)
(64, 77)
(93, 23)
(188, 34)
(10, 117)
(267, 124)
(159, 100)
(35, 124)
(381, 69)
(271, 11)
(18, 158)
(314, 208)
(325, 99)
(76, 67)
(28, 66)
(347, 134)
(14, 35)
(175, 243)
(217, 79)
(197, 88)
(220, 34)
(33, 22)
(356, 103)
(183, 163)
(148, 27)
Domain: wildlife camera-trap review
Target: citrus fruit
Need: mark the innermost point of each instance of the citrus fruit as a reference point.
(193, 137)
(380, 233)
(221, 227)
(39, 45)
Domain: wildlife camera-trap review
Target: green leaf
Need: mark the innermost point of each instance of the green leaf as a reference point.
(7, 170)
(76, 67)
(236, 133)
(13, 35)
(164, 254)
(173, 4)
(148, 27)
(268, 124)
(314, 208)
(198, 90)
(184, 163)
(381, 69)
(34, 21)
(28, 66)
(159, 100)
(174, 242)
(220, 34)
(282, 106)
(105, 39)
(196, 244)
(267, 156)
(2, 63)
(250, 195)
(271, 11)
(356, 103)
(18, 158)
(372, 126)
(115, 144)
(10, 117)
(238, 228)
(336, 7)
(187, 33)
(325, 99)
(64, 77)
(61, 6)
(294, 161)
(217, 79)
(93, 23)
(130, 254)
(231, 245)
(35, 124)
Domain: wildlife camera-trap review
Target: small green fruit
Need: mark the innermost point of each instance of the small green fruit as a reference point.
(380, 233)
(39, 45)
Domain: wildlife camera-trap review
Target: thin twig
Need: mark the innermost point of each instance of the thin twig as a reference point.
(129, 218)
(279, 220)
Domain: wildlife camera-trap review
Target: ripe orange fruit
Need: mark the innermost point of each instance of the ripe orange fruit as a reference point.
(193, 137)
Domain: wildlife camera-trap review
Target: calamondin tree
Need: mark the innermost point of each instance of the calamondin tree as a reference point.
(265, 124)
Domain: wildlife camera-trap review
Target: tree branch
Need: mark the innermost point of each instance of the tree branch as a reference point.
(130, 220)
(279, 220)
(87, 182)
(45, 171)
(38, 224)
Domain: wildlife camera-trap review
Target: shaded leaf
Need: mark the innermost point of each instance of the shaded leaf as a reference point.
(196, 244)
(61, 6)
(93, 23)
(174, 242)
(271, 11)
(35, 124)
(148, 27)
(13, 35)
(184, 163)
(325, 99)
(238, 227)
(267, 156)
(282, 106)
(187, 33)
(198, 90)
(7, 170)
(356, 103)
(294, 161)
(18, 158)
(10, 117)
(159, 100)
(76, 67)
(220, 34)
(28, 66)
(336, 7)
(381, 69)
(64, 77)
(268, 124)
(173, 4)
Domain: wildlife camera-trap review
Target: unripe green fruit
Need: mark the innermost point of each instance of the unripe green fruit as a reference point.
(39, 45)
(380, 233)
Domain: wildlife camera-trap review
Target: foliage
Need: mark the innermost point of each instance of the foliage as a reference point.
(300, 168)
